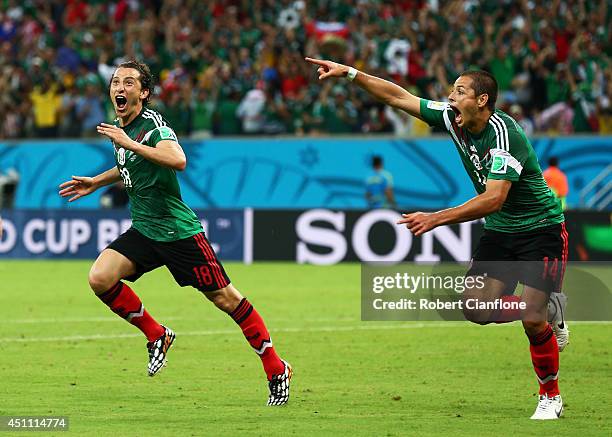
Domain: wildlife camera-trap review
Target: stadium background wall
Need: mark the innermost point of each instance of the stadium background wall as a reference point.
(316, 236)
(284, 173)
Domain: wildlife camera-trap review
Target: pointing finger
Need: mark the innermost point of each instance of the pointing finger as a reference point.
(316, 61)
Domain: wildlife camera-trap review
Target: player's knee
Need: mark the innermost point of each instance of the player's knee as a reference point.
(100, 281)
(224, 303)
(534, 327)
(474, 315)
(226, 299)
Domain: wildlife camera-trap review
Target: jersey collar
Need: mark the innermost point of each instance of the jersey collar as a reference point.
(144, 108)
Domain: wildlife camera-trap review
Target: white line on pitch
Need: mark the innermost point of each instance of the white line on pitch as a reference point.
(372, 326)
(70, 320)
(115, 319)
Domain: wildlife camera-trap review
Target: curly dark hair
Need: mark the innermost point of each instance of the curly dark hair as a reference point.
(146, 78)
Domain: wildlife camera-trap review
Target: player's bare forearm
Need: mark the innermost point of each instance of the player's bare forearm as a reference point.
(166, 153)
(480, 206)
(475, 208)
(110, 176)
(389, 93)
(385, 91)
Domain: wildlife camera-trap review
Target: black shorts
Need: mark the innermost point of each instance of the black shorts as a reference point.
(192, 261)
(535, 258)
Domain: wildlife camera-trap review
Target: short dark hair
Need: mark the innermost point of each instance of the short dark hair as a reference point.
(483, 82)
(146, 78)
(553, 161)
(377, 161)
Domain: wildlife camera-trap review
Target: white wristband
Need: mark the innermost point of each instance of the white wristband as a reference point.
(351, 73)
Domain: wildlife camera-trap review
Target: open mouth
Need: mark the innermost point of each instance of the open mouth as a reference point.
(458, 117)
(121, 102)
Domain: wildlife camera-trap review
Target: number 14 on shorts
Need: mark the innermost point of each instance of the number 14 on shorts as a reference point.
(551, 268)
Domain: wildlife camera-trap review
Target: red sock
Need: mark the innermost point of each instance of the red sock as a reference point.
(256, 333)
(506, 315)
(545, 358)
(122, 300)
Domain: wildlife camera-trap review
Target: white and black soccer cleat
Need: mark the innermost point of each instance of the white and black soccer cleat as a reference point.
(158, 350)
(548, 408)
(556, 318)
(279, 386)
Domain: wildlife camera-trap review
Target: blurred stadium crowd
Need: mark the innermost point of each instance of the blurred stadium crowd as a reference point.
(227, 67)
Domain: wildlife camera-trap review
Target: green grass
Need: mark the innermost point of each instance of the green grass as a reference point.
(351, 377)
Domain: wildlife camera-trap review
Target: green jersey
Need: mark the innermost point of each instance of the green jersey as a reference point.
(501, 151)
(157, 209)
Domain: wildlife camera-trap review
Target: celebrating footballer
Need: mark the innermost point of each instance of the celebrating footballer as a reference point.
(524, 238)
(164, 232)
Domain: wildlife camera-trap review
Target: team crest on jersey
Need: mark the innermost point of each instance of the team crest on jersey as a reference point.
(121, 156)
(472, 153)
(476, 161)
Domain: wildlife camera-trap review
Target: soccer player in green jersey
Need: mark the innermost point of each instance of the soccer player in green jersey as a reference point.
(524, 238)
(165, 231)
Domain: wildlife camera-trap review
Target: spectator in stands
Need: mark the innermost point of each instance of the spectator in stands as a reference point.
(556, 180)
(89, 108)
(604, 107)
(401, 122)
(176, 109)
(203, 106)
(46, 105)
(337, 115)
(225, 121)
(251, 110)
(70, 123)
(517, 113)
(379, 186)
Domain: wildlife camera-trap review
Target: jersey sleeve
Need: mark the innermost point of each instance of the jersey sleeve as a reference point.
(161, 133)
(507, 161)
(436, 113)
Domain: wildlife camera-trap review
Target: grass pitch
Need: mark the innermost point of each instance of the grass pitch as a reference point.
(64, 353)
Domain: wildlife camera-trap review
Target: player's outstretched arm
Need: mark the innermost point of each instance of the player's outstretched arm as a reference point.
(477, 207)
(385, 91)
(80, 186)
